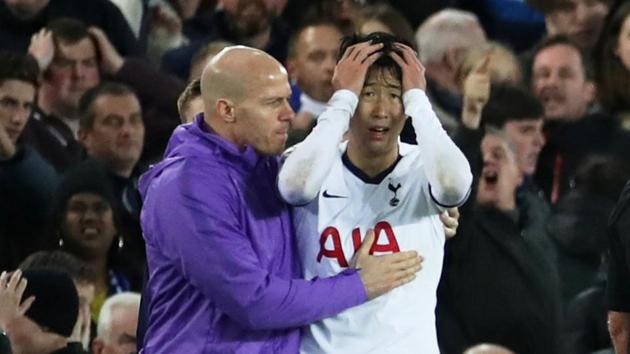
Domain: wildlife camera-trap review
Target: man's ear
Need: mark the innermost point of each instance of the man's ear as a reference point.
(226, 110)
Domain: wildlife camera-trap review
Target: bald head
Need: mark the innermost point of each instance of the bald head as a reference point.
(246, 94)
(235, 73)
(488, 349)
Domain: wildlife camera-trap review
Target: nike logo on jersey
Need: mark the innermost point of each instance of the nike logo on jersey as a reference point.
(326, 195)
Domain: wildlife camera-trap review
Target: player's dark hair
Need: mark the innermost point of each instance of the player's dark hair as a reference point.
(385, 62)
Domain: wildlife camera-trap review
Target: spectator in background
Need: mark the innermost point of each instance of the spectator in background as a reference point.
(156, 91)
(579, 220)
(55, 135)
(580, 20)
(344, 13)
(253, 23)
(518, 115)
(311, 60)
(481, 66)
(443, 39)
(164, 29)
(579, 227)
(500, 262)
(82, 277)
(612, 72)
(68, 59)
(44, 322)
(27, 181)
(562, 79)
(515, 117)
(112, 132)
(20, 19)
(382, 17)
(111, 127)
(190, 103)
(86, 222)
(117, 324)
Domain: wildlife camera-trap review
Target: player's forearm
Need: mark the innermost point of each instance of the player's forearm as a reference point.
(307, 166)
(446, 166)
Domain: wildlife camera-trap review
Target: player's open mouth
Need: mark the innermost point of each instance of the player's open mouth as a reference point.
(378, 133)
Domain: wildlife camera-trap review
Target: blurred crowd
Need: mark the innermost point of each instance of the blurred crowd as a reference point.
(536, 93)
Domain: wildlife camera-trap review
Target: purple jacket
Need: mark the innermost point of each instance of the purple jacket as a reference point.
(223, 274)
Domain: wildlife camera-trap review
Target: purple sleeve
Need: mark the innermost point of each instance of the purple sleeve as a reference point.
(198, 220)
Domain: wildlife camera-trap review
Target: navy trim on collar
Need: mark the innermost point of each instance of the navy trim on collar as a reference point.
(362, 175)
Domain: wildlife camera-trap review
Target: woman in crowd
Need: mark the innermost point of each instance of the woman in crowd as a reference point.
(85, 219)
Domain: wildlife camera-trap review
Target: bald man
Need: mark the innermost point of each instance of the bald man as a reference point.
(223, 277)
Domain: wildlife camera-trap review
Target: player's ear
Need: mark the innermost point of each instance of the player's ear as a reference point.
(226, 110)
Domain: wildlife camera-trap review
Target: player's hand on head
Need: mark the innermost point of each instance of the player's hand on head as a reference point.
(450, 221)
(381, 274)
(412, 69)
(353, 66)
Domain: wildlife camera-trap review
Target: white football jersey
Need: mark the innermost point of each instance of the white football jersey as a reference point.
(404, 217)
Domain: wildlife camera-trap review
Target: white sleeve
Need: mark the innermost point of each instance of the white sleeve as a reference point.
(306, 167)
(445, 165)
